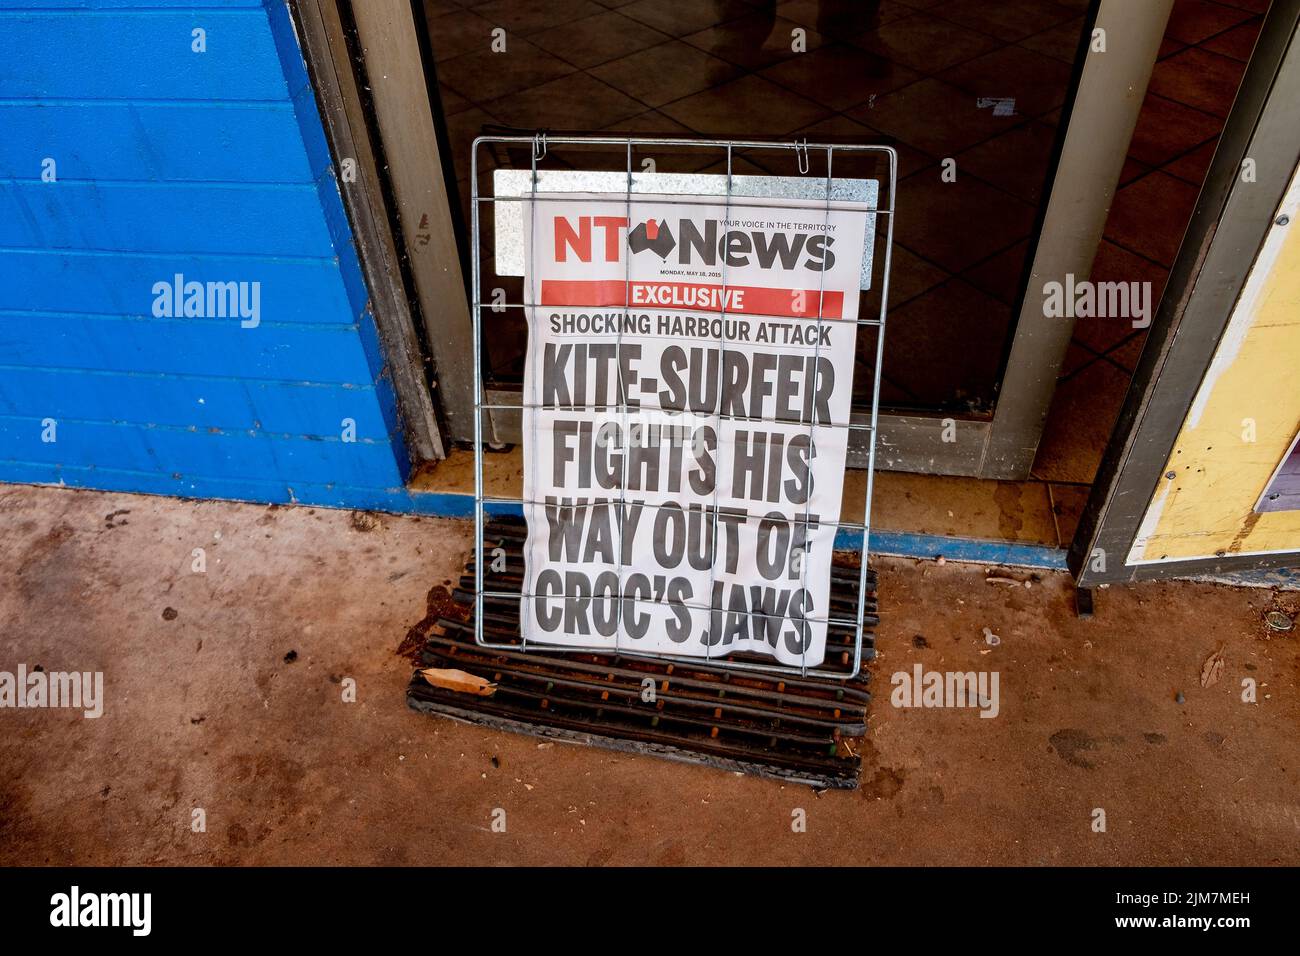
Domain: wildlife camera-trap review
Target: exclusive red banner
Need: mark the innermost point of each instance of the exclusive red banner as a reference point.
(751, 300)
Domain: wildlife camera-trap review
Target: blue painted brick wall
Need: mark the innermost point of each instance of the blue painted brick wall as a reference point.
(212, 165)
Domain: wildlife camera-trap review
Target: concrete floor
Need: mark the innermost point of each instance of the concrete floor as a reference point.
(203, 711)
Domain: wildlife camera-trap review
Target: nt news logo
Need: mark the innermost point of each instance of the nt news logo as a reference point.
(706, 242)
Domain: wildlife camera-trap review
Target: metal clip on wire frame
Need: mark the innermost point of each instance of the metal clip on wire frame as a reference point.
(539, 144)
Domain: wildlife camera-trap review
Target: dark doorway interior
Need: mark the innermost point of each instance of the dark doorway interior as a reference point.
(978, 82)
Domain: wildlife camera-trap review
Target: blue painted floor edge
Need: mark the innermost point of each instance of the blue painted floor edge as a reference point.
(905, 544)
(439, 504)
(443, 504)
(897, 544)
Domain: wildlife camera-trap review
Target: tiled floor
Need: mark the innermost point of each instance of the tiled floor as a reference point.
(909, 73)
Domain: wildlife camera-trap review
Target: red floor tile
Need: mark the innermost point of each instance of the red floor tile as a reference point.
(957, 224)
(728, 110)
(934, 116)
(1193, 21)
(1166, 128)
(599, 39)
(1015, 161)
(972, 328)
(1038, 83)
(1150, 216)
(1008, 20)
(1238, 43)
(754, 41)
(522, 17)
(840, 76)
(925, 42)
(664, 73)
(1198, 78)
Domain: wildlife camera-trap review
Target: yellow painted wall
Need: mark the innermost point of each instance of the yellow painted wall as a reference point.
(1207, 509)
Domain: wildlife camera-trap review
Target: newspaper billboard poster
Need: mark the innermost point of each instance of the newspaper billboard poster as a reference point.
(684, 419)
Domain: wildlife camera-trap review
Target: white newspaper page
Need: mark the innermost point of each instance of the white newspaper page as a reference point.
(684, 435)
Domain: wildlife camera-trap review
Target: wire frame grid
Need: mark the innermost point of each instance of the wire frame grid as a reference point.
(539, 145)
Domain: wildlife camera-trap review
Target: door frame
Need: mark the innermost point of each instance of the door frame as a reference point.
(1227, 230)
(1099, 123)
(323, 36)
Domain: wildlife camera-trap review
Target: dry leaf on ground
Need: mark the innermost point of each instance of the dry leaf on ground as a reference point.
(1213, 669)
(451, 679)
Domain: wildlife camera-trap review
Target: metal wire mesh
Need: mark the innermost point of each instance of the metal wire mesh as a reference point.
(540, 146)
